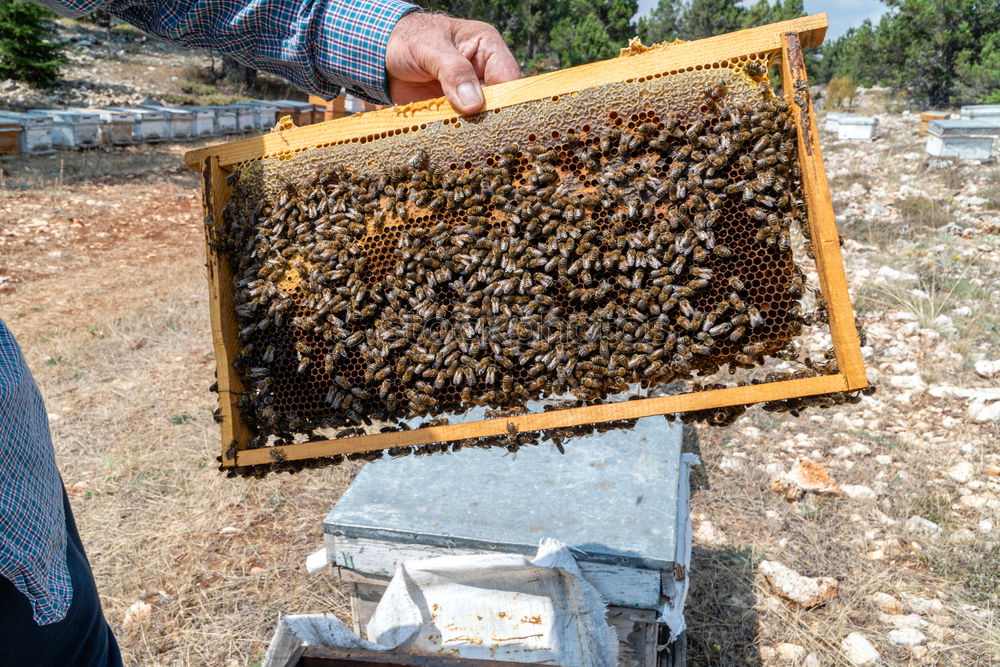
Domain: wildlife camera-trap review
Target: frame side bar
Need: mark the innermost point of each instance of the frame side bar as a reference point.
(591, 414)
(763, 39)
(822, 222)
(235, 433)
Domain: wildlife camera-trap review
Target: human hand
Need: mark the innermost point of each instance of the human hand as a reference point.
(429, 55)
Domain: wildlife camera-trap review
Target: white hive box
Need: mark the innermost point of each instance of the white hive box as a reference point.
(36, 132)
(833, 121)
(180, 121)
(223, 119)
(72, 128)
(988, 113)
(962, 139)
(247, 118)
(267, 113)
(117, 128)
(203, 121)
(857, 127)
(618, 499)
(148, 125)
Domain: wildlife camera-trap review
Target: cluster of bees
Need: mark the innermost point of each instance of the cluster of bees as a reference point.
(638, 255)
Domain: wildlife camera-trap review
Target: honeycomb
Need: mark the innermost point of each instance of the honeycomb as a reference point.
(635, 232)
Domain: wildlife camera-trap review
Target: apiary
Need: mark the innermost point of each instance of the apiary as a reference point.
(117, 128)
(857, 128)
(989, 113)
(180, 121)
(35, 137)
(203, 121)
(268, 113)
(149, 126)
(251, 118)
(616, 226)
(10, 136)
(832, 122)
(73, 128)
(301, 113)
(963, 139)
(927, 116)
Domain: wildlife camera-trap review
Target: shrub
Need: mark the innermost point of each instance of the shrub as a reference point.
(28, 51)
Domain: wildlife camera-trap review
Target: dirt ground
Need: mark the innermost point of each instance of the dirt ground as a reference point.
(102, 281)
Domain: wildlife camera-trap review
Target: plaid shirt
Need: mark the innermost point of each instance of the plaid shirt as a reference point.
(32, 521)
(321, 46)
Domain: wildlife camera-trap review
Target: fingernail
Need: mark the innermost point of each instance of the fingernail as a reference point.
(470, 95)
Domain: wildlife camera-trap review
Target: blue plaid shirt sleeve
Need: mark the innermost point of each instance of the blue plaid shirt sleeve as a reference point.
(321, 46)
(32, 519)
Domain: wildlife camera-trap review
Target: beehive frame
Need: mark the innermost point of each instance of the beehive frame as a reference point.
(783, 41)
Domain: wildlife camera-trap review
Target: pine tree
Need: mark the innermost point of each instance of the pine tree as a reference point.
(28, 51)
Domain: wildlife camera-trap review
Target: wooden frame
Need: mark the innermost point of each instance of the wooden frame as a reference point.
(784, 40)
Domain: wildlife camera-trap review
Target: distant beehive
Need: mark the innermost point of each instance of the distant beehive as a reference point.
(581, 236)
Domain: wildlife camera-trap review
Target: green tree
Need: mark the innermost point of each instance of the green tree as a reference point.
(28, 50)
(936, 51)
(581, 38)
(706, 18)
(663, 23)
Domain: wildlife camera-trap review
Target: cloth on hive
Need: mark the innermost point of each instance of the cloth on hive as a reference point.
(497, 607)
(494, 607)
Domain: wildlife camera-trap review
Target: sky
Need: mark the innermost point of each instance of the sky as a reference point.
(844, 14)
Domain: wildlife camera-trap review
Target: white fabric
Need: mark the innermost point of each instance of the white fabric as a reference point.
(499, 607)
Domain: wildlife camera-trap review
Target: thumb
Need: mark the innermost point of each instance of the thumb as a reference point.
(458, 79)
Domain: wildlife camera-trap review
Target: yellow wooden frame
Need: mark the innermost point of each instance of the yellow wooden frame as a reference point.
(784, 40)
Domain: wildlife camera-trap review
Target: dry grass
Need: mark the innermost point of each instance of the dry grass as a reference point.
(107, 297)
(121, 351)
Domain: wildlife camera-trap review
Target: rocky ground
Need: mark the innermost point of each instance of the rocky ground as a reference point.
(889, 507)
(863, 534)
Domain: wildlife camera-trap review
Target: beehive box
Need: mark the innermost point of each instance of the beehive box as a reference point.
(35, 137)
(73, 128)
(10, 137)
(617, 224)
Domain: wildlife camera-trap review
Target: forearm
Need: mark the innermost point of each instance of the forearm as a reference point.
(319, 45)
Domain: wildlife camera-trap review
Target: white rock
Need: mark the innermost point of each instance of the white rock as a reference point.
(980, 411)
(922, 526)
(811, 476)
(138, 613)
(858, 491)
(943, 323)
(962, 311)
(887, 603)
(907, 382)
(889, 273)
(907, 637)
(985, 526)
(919, 605)
(790, 652)
(903, 620)
(961, 472)
(987, 369)
(706, 533)
(789, 584)
(230, 530)
(812, 660)
(858, 650)
(883, 459)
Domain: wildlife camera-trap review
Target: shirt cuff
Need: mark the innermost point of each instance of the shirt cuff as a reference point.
(350, 52)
